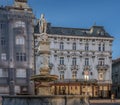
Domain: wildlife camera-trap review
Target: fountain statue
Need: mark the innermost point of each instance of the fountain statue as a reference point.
(44, 78)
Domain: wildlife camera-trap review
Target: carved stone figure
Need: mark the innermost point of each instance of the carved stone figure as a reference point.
(42, 24)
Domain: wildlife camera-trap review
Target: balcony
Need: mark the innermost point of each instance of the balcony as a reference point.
(86, 67)
(104, 82)
(76, 81)
(61, 67)
(105, 67)
(74, 67)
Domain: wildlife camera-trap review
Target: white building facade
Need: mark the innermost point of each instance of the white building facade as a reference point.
(81, 54)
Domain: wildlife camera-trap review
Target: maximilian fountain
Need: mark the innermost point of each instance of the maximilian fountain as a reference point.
(44, 95)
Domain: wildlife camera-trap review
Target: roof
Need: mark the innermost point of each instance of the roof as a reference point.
(116, 61)
(94, 31)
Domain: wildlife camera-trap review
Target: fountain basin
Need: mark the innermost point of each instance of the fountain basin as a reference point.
(44, 78)
(45, 100)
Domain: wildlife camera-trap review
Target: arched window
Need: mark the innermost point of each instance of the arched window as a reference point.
(20, 40)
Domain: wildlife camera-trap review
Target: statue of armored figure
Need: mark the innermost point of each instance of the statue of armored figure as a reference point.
(42, 24)
(43, 37)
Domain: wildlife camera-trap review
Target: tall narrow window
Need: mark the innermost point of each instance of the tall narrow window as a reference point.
(101, 76)
(61, 46)
(73, 61)
(2, 41)
(86, 61)
(86, 75)
(86, 47)
(61, 75)
(99, 47)
(1, 25)
(74, 74)
(74, 46)
(61, 60)
(103, 47)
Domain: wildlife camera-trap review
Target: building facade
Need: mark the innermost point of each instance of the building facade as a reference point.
(116, 77)
(16, 54)
(82, 59)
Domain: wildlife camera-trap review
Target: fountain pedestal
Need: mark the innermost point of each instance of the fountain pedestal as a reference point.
(43, 80)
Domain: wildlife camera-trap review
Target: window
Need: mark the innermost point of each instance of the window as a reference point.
(2, 25)
(20, 40)
(20, 56)
(74, 46)
(2, 41)
(62, 75)
(3, 72)
(4, 89)
(86, 61)
(100, 76)
(61, 60)
(86, 75)
(21, 73)
(101, 61)
(3, 56)
(17, 89)
(74, 61)
(61, 46)
(19, 24)
(86, 47)
(99, 47)
(103, 47)
(74, 74)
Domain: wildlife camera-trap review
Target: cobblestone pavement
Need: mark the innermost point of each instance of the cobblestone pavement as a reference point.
(104, 102)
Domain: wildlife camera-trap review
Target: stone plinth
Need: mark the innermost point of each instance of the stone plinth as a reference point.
(45, 100)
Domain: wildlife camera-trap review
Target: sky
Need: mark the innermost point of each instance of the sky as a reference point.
(80, 14)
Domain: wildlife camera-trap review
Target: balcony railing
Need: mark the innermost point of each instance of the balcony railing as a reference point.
(102, 66)
(76, 81)
(74, 67)
(86, 67)
(104, 81)
(61, 67)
